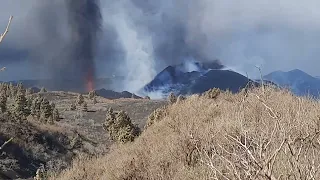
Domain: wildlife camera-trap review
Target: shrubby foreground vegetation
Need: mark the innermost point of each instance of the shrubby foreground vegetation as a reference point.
(262, 133)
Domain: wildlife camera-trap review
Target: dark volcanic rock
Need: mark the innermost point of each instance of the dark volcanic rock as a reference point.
(203, 77)
(222, 79)
(109, 94)
(175, 78)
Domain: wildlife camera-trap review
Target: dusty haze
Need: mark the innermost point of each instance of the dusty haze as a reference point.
(140, 38)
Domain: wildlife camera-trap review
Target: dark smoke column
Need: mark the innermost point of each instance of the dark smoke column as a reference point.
(84, 18)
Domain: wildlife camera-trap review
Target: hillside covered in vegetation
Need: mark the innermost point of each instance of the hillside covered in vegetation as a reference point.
(262, 133)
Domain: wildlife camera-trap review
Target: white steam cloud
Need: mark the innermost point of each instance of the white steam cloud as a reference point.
(242, 34)
(138, 66)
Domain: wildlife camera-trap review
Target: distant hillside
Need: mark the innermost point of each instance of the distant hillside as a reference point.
(298, 81)
(69, 86)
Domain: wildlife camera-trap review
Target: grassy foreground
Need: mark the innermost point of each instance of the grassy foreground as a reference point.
(262, 134)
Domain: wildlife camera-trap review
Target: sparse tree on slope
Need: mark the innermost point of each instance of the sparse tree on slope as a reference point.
(12, 90)
(45, 110)
(3, 102)
(20, 105)
(73, 107)
(43, 90)
(94, 100)
(29, 91)
(80, 99)
(84, 107)
(35, 108)
(120, 127)
(172, 98)
(53, 106)
(55, 115)
(92, 94)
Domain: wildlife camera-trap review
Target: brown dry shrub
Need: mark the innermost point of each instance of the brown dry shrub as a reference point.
(172, 98)
(212, 93)
(268, 134)
(156, 116)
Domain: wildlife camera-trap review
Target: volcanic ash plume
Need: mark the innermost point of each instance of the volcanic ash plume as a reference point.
(84, 20)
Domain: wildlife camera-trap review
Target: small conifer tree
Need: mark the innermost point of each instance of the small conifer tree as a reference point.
(43, 90)
(80, 99)
(73, 107)
(13, 90)
(94, 100)
(172, 98)
(84, 107)
(92, 94)
(20, 105)
(35, 107)
(56, 115)
(3, 102)
(45, 109)
(53, 106)
(120, 127)
(29, 91)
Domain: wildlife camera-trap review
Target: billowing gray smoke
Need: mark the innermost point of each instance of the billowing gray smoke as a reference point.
(142, 37)
(84, 20)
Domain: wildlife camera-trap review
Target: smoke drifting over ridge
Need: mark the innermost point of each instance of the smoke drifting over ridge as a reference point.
(142, 37)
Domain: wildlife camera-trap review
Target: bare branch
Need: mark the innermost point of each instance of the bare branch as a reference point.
(5, 143)
(3, 69)
(6, 30)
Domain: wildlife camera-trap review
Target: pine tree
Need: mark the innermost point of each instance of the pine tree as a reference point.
(13, 90)
(43, 90)
(20, 106)
(35, 108)
(3, 102)
(3, 88)
(8, 92)
(92, 94)
(94, 100)
(29, 91)
(120, 127)
(53, 106)
(45, 109)
(55, 115)
(28, 106)
(84, 107)
(73, 107)
(80, 99)
(20, 87)
(172, 98)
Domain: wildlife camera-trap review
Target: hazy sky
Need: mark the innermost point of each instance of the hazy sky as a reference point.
(141, 37)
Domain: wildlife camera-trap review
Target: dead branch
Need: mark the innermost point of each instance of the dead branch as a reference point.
(6, 30)
(261, 78)
(85, 138)
(5, 143)
(3, 69)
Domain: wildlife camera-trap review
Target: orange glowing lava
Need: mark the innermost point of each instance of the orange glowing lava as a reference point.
(89, 82)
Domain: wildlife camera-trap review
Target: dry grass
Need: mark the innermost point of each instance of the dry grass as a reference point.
(263, 134)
